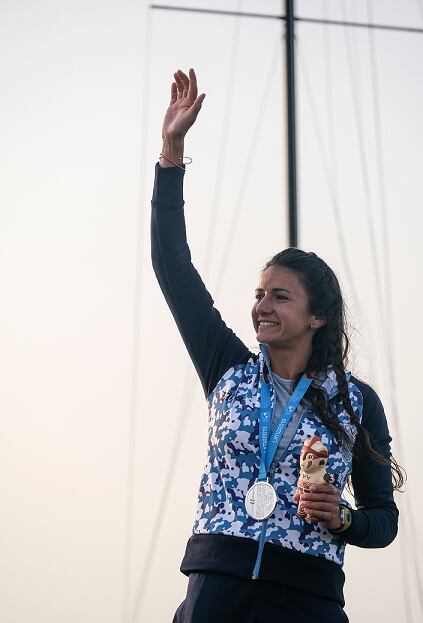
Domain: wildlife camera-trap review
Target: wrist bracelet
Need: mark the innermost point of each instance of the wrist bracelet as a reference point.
(175, 163)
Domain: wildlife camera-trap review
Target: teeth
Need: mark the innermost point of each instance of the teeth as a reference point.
(268, 324)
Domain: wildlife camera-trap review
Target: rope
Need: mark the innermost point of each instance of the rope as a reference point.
(305, 20)
(142, 228)
(246, 174)
(333, 192)
(186, 402)
(221, 161)
(353, 79)
(388, 305)
(188, 394)
(189, 376)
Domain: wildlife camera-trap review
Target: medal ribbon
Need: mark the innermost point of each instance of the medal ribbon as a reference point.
(268, 446)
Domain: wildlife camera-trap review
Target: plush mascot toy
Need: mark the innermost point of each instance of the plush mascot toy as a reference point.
(314, 457)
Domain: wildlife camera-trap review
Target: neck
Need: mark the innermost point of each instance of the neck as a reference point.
(289, 364)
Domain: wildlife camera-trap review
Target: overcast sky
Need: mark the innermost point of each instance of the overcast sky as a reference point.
(97, 395)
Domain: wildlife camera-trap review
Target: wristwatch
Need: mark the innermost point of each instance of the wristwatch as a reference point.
(345, 516)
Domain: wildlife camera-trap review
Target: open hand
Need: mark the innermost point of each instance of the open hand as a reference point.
(184, 106)
(321, 504)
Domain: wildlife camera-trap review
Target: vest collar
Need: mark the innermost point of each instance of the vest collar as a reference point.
(323, 379)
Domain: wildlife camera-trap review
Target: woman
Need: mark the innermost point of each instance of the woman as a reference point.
(261, 549)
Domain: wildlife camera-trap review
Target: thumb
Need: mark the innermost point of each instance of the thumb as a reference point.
(198, 102)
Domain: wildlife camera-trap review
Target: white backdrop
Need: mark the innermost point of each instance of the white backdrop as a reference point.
(97, 398)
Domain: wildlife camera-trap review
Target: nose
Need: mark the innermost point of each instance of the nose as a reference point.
(264, 306)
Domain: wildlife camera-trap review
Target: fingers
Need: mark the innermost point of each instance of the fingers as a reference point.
(320, 517)
(183, 82)
(321, 504)
(325, 504)
(323, 513)
(173, 93)
(326, 488)
(195, 108)
(179, 83)
(192, 85)
(323, 498)
(198, 102)
(187, 87)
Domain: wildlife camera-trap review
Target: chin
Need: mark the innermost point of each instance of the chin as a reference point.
(263, 340)
(266, 339)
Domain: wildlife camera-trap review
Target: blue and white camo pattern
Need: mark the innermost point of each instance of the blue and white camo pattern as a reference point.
(234, 461)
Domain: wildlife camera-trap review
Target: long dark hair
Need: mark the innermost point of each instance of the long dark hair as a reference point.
(330, 348)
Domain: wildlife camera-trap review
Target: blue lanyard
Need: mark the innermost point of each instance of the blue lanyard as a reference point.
(269, 447)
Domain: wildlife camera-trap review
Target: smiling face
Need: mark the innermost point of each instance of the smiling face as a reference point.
(281, 314)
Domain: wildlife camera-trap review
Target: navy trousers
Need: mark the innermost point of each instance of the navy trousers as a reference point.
(218, 598)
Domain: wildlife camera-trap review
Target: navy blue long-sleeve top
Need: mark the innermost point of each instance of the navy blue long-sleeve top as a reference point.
(214, 349)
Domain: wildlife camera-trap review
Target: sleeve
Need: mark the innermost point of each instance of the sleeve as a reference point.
(375, 521)
(212, 346)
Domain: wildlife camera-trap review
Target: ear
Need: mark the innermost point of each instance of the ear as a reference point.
(318, 321)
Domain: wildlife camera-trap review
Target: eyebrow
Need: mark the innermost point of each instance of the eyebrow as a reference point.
(274, 290)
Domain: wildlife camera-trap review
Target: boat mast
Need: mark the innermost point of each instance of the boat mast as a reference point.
(288, 15)
(291, 123)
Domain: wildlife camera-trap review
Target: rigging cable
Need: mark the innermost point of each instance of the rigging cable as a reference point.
(333, 180)
(141, 229)
(332, 175)
(386, 291)
(333, 185)
(388, 303)
(363, 161)
(221, 160)
(333, 192)
(246, 174)
(188, 394)
(376, 269)
(390, 341)
(186, 406)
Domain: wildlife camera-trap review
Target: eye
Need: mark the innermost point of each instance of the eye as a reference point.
(310, 456)
(258, 295)
(281, 297)
(322, 462)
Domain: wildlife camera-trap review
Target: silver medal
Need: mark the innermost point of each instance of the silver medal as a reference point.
(260, 500)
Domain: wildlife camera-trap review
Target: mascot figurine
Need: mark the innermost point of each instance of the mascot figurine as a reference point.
(314, 457)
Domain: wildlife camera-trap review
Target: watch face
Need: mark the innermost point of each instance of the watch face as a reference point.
(345, 517)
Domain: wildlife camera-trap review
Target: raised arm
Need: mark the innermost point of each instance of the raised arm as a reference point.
(213, 347)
